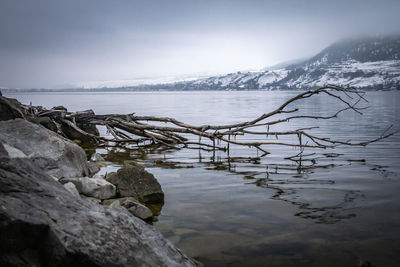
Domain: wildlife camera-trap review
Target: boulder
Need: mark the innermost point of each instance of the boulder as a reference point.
(9, 109)
(41, 224)
(92, 187)
(72, 189)
(134, 181)
(56, 155)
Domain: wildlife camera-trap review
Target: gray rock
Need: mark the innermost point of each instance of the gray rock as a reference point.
(14, 152)
(56, 155)
(92, 187)
(96, 157)
(138, 209)
(132, 205)
(9, 109)
(134, 181)
(93, 168)
(72, 189)
(40, 223)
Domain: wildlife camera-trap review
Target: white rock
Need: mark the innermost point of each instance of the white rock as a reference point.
(72, 189)
(93, 187)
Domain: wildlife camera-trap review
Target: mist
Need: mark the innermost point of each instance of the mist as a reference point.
(61, 44)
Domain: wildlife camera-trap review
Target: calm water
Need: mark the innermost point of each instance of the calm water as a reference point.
(243, 212)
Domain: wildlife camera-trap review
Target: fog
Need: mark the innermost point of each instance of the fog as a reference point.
(54, 44)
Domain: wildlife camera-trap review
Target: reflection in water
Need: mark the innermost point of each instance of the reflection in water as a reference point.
(317, 199)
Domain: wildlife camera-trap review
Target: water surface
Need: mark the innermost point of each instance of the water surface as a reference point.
(245, 212)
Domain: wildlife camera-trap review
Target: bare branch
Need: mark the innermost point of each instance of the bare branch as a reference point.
(130, 129)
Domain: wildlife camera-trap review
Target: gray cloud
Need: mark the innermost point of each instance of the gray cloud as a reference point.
(47, 43)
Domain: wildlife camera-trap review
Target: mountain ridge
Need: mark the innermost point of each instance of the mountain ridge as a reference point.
(365, 63)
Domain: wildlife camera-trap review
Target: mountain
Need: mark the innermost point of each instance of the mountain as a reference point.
(365, 63)
(370, 63)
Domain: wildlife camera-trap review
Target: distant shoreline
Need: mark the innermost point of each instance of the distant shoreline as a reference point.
(125, 89)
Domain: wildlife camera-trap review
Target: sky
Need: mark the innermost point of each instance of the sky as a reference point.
(61, 44)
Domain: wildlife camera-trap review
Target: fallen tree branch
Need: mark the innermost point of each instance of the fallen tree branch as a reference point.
(130, 129)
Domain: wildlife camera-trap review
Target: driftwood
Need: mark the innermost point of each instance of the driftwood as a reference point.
(129, 129)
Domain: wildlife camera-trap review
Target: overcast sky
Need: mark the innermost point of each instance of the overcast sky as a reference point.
(51, 43)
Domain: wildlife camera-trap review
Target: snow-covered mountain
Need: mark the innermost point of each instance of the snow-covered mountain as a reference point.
(367, 63)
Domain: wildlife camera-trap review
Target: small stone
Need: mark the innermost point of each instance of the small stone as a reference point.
(140, 211)
(93, 187)
(98, 188)
(72, 189)
(131, 204)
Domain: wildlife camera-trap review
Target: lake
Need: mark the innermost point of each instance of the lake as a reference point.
(239, 211)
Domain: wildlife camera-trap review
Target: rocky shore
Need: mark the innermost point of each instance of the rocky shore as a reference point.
(55, 209)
